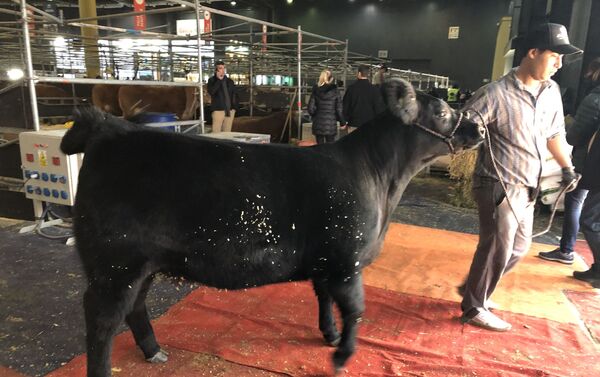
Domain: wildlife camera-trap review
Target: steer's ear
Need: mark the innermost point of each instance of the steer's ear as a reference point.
(85, 121)
(401, 99)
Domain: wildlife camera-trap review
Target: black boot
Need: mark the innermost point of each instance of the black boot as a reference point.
(591, 276)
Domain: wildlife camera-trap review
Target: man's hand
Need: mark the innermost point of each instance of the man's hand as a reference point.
(569, 178)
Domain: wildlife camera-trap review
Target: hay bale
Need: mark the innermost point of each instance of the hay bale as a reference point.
(461, 171)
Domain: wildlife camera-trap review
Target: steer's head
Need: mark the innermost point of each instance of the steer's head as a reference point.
(444, 130)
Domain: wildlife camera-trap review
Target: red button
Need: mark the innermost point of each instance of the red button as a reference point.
(29, 157)
(56, 161)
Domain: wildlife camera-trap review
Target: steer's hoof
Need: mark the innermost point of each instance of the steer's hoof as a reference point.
(339, 360)
(333, 341)
(160, 357)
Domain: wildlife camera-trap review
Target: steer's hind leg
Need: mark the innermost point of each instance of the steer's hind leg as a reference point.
(103, 315)
(349, 296)
(326, 319)
(139, 323)
(105, 305)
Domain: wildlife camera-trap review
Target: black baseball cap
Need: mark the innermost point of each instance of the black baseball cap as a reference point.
(551, 37)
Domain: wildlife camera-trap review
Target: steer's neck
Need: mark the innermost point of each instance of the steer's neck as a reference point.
(386, 157)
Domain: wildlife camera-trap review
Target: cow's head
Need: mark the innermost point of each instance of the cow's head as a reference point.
(449, 129)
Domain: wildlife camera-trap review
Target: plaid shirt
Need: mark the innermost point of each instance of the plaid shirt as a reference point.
(519, 126)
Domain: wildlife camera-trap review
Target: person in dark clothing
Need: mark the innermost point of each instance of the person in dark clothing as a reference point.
(223, 99)
(325, 108)
(362, 101)
(590, 214)
(584, 135)
(579, 134)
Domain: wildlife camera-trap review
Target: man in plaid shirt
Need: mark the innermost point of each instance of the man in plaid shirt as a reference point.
(524, 115)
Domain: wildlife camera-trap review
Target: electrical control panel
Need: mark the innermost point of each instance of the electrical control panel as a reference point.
(49, 174)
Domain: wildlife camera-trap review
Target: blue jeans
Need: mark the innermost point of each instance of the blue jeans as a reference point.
(573, 204)
(590, 225)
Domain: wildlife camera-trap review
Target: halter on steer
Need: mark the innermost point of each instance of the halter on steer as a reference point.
(446, 139)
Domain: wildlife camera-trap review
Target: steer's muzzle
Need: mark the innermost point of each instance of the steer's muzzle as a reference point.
(475, 116)
(473, 132)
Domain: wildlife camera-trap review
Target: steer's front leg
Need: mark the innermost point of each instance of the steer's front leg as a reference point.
(348, 294)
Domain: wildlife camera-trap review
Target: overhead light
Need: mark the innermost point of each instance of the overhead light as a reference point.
(290, 1)
(15, 74)
(233, 3)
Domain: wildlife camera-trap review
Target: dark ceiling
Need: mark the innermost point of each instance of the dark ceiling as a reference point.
(153, 3)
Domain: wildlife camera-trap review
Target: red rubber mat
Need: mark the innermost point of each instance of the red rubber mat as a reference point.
(7, 372)
(588, 306)
(274, 328)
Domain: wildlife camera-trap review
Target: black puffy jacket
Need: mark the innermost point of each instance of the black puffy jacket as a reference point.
(325, 108)
(587, 122)
(590, 178)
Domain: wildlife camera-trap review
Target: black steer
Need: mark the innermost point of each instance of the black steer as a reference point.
(234, 216)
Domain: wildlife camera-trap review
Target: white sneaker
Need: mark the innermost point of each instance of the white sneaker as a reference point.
(491, 305)
(487, 320)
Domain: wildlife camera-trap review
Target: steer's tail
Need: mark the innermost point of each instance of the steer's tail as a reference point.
(90, 124)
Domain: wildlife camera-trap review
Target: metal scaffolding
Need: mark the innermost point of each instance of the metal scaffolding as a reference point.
(50, 49)
(421, 81)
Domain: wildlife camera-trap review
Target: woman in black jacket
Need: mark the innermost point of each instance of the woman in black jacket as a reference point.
(325, 108)
(586, 127)
(579, 135)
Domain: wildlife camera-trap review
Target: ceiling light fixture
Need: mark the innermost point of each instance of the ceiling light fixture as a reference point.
(289, 1)
(15, 74)
(233, 3)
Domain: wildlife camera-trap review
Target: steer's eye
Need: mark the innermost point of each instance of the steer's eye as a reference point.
(441, 115)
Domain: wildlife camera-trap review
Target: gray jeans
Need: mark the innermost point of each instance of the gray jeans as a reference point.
(504, 238)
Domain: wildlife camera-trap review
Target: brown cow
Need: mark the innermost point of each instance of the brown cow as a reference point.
(106, 98)
(134, 100)
(130, 100)
(50, 91)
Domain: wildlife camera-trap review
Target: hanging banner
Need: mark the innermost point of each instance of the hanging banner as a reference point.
(264, 39)
(30, 24)
(207, 24)
(139, 21)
